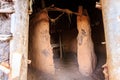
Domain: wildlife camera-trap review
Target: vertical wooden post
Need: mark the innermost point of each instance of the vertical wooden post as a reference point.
(85, 50)
(60, 43)
(42, 54)
(111, 17)
(19, 42)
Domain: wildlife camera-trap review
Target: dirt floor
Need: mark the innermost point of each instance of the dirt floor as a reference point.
(67, 69)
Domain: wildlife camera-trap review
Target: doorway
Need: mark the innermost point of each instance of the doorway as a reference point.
(63, 40)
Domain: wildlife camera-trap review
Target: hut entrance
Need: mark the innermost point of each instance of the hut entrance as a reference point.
(65, 40)
(63, 44)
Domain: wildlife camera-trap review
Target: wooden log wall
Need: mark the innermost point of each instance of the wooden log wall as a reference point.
(41, 52)
(5, 21)
(4, 45)
(111, 18)
(19, 42)
(85, 48)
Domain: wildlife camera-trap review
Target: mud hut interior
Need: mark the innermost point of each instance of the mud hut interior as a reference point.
(66, 39)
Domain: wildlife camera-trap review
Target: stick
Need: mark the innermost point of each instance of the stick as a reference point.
(61, 10)
(60, 42)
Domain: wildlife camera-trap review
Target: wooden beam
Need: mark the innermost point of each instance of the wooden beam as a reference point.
(111, 18)
(19, 43)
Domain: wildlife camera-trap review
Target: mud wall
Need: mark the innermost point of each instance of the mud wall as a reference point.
(40, 50)
(85, 47)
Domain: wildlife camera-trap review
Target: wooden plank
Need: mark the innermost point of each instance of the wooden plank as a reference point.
(5, 37)
(6, 11)
(85, 48)
(111, 18)
(19, 43)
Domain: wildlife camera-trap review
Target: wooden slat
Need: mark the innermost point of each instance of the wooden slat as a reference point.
(5, 37)
(6, 11)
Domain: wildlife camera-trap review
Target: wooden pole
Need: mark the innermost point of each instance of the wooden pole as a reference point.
(111, 17)
(19, 42)
(60, 43)
(85, 48)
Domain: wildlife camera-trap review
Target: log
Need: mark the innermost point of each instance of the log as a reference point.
(19, 42)
(85, 48)
(41, 52)
(111, 19)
